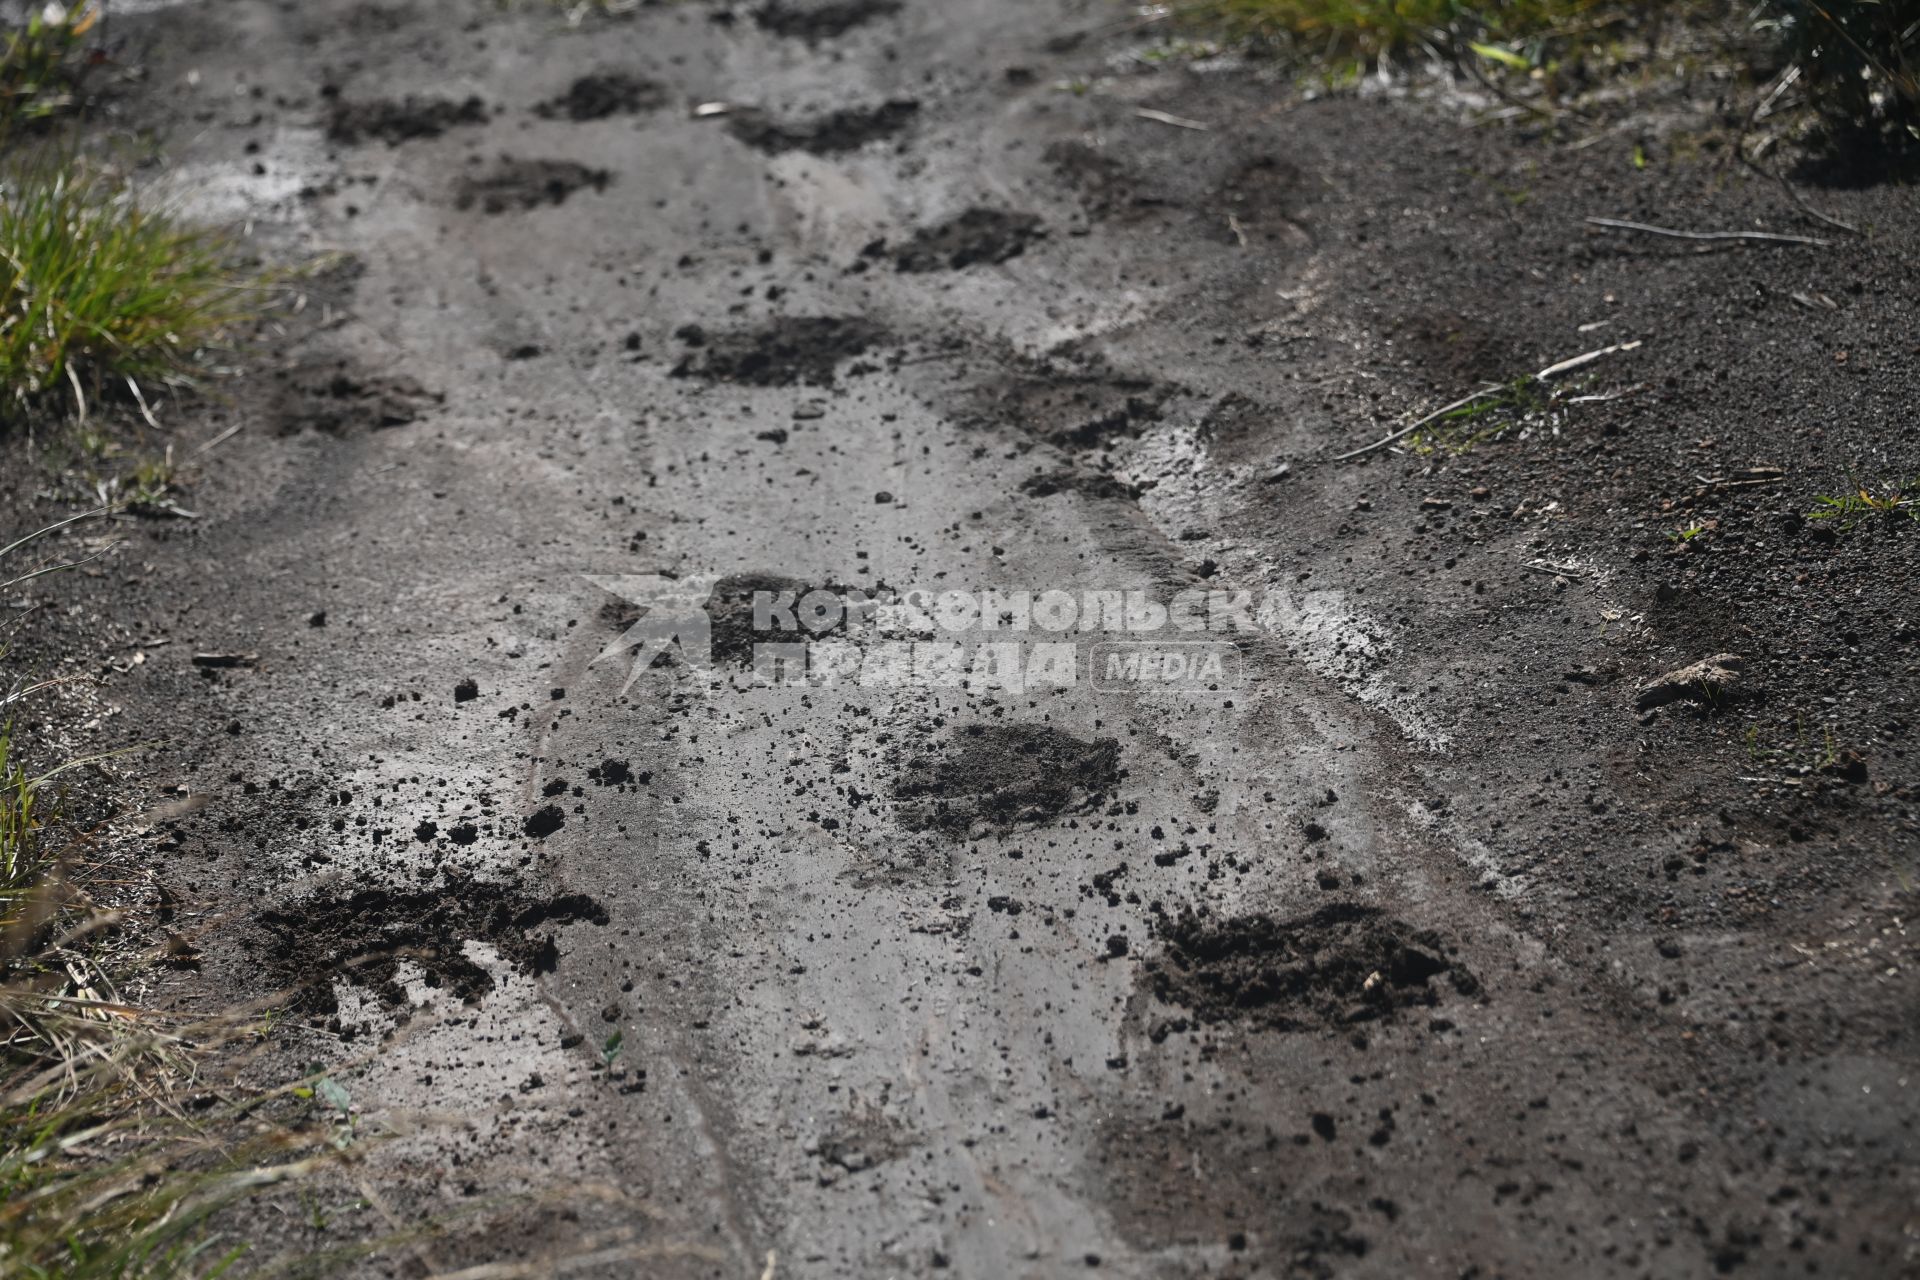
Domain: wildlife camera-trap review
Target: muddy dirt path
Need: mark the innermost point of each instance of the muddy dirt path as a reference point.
(1309, 975)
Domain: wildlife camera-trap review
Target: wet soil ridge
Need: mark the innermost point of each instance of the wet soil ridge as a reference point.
(528, 184)
(821, 21)
(987, 777)
(831, 134)
(1091, 484)
(394, 122)
(366, 936)
(983, 236)
(337, 397)
(806, 349)
(603, 94)
(1343, 964)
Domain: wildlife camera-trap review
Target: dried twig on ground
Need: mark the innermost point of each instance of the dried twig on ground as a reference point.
(1774, 237)
(1551, 371)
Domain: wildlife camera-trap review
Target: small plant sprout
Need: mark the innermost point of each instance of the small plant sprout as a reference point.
(1849, 509)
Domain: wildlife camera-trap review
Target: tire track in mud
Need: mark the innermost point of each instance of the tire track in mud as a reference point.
(877, 998)
(891, 885)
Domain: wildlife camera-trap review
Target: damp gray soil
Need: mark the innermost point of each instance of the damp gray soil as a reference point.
(1422, 949)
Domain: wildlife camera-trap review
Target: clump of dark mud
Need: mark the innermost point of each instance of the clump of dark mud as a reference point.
(528, 184)
(838, 131)
(338, 398)
(365, 936)
(391, 122)
(603, 94)
(1343, 964)
(1002, 776)
(821, 21)
(1092, 484)
(977, 236)
(803, 349)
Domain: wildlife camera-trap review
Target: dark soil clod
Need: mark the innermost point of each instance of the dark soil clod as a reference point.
(807, 349)
(394, 122)
(1003, 776)
(528, 184)
(830, 134)
(1345, 963)
(986, 236)
(364, 936)
(603, 94)
(543, 822)
(821, 21)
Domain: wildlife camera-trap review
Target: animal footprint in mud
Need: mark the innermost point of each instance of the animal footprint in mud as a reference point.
(987, 777)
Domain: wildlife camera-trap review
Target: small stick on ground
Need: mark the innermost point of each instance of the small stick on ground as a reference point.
(1167, 117)
(1773, 237)
(1403, 432)
(1551, 371)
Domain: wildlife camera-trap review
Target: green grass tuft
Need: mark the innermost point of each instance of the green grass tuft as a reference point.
(100, 294)
(1344, 31)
